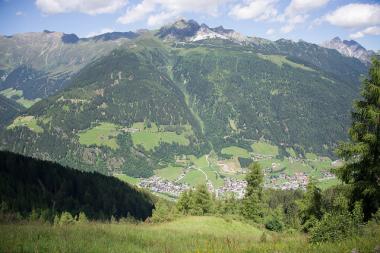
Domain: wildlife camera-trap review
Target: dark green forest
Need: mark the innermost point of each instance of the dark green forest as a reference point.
(29, 185)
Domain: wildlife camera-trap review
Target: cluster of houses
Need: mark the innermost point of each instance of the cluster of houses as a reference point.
(287, 182)
(231, 185)
(281, 181)
(157, 184)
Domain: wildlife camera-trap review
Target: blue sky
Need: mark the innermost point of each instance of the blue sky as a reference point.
(310, 20)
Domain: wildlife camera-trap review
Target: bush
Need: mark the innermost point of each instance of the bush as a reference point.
(333, 227)
(65, 219)
(274, 224)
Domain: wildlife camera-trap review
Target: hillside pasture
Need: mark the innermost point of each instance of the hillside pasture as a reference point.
(236, 152)
(103, 134)
(26, 121)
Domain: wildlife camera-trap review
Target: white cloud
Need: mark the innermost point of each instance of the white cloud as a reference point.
(304, 6)
(297, 12)
(255, 9)
(372, 30)
(161, 18)
(19, 13)
(157, 12)
(137, 12)
(270, 31)
(104, 30)
(91, 7)
(355, 15)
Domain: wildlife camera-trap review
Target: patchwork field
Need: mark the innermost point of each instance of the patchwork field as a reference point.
(264, 148)
(151, 137)
(17, 95)
(194, 177)
(103, 134)
(236, 152)
(26, 121)
(280, 60)
(169, 173)
(128, 179)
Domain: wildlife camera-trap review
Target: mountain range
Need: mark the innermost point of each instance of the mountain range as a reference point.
(350, 48)
(131, 102)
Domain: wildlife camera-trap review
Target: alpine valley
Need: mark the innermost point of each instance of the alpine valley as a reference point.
(186, 102)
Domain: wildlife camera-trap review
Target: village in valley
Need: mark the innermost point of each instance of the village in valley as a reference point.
(227, 176)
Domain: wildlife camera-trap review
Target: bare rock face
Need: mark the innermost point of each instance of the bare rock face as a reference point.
(350, 48)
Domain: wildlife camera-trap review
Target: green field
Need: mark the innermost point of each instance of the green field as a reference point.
(280, 60)
(103, 134)
(199, 162)
(26, 121)
(328, 183)
(236, 151)
(291, 152)
(169, 173)
(151, 137)
(128, 179)
(187, 234)
(311, 156)
(17, 95)
(194, 177)
(264, 148)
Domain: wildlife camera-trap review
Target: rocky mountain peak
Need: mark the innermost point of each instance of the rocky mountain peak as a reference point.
(350, 48)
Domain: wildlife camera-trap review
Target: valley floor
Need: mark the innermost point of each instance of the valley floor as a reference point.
(188, 234)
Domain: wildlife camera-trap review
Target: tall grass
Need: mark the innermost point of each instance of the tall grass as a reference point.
(208, 234)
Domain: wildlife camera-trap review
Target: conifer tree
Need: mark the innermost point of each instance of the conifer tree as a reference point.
(362, 154)
(201, 202)
(183, 203)
(253, 199)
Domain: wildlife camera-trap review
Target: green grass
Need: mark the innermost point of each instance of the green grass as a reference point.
(128, 179)
(151, 137)
(311, 156)
(264, 148)
(291, 152)
(188, 234)
(236, 151)
(169, 173)
(328, 183)
(194, 177)
(280, 60)
(26, 121)
(103, 134)
(199, 162)
(27, 103)
(10, 92)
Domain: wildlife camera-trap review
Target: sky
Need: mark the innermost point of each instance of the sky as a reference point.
(309, 20)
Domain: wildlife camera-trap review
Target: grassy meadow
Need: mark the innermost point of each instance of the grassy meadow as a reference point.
(187, 234)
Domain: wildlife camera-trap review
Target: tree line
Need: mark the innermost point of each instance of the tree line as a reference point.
(28, 185)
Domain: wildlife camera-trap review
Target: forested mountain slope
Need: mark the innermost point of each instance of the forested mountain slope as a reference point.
(166, 94)
(38, 64)
(27, 184)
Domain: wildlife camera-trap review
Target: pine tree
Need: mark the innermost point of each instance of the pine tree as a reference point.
(201, 202)
(311, 206)
(183, 203)
(362, 154)
(253, 200)
(161, 213)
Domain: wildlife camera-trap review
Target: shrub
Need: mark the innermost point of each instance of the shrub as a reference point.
(334, 227)
(274, 224)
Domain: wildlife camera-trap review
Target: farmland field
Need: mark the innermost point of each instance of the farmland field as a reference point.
(151, 137)
(26, 121)
(264, 148)
(169, 173)
(102, 135)
(236, 151)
